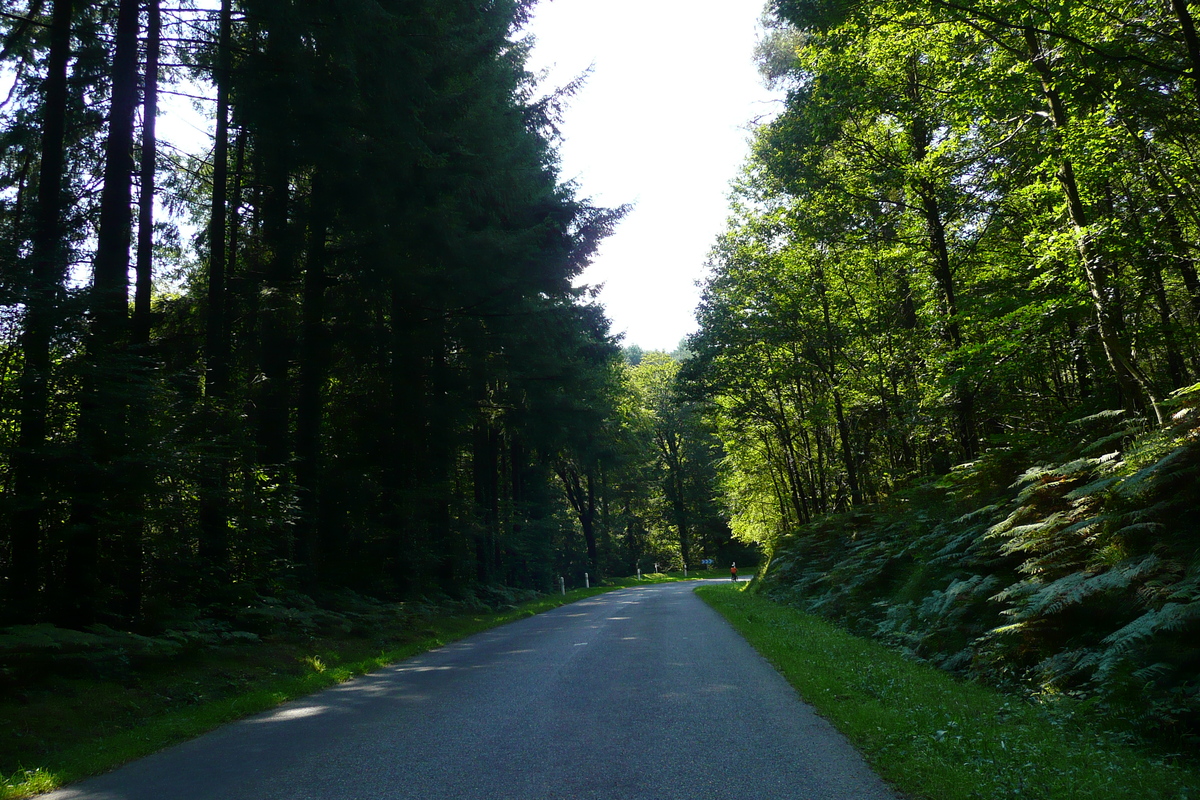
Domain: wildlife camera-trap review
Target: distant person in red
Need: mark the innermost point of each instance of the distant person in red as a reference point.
(733, 571)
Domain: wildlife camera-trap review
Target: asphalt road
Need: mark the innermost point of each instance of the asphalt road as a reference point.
(640, 693)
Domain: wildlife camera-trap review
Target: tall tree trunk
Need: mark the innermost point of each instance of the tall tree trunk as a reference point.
(581, 494)
(103, 493)
(848, 454)
(140, 329)
(274, 134)
(1136, 389)
(943, 275)
(485, 469)
(313, 370)
(48, 259)
(404, 383)
(214, 478)
(1187, 26)
(1176, 368)
(276, 337)
(131, 561)
(1183, 259)
(276, 331)
(679, 505)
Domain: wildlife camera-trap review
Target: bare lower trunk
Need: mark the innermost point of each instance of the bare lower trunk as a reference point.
(214, 513)
(103, 492)
(48, 258)
(312, 378)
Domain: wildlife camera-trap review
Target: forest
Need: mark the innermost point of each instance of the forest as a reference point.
(338, 349)
(945, 377)
(951, 339)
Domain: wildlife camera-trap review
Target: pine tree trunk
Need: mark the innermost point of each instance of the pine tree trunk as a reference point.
(132, 533)
(588, 523)
(276, 339)
(103, 494)
(214, 478)
(404, 381)
(485, 461)
(48, 260)
(309, 407)
(140, 335)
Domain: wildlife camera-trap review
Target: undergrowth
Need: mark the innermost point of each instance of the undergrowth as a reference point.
(1068, 569)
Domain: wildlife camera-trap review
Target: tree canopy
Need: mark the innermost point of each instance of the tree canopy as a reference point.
(951, 335)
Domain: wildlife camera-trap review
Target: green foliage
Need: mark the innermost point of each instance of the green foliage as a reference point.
(674, 453)
(949, 336)
(1079, 578)
(364, 367)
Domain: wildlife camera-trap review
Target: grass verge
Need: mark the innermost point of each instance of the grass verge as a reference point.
(933, 736)
(66, 729)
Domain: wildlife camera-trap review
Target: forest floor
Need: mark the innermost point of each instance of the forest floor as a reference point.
(58, 728)
(934, 736)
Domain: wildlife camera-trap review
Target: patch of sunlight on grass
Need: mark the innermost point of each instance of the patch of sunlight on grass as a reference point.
(28, 782)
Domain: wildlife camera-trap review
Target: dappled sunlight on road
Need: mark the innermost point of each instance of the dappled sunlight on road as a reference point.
(289, 714)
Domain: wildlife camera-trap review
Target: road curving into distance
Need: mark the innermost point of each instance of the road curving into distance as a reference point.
(639, 693)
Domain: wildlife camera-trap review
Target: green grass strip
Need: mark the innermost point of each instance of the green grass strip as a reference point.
(933, 736)
(105, 753)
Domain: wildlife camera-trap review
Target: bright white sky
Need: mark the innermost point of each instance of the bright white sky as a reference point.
(662, 123)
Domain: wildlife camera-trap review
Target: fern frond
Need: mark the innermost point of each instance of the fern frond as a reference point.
(1130, 486)
(1147, 513)
(1050, 533)
(1153, 671)
(1171, 617)
(1186, 591)
(1022, 537)
(1078, 586)
(1014, 591)
(975, 514)
(1099, 416)
(1139, 527)
(1093, 488)
(1104, 442)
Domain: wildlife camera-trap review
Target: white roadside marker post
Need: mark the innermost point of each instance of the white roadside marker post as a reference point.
(587, 582)
(562, 585)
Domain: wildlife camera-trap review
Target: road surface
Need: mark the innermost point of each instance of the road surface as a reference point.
(640, 693)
